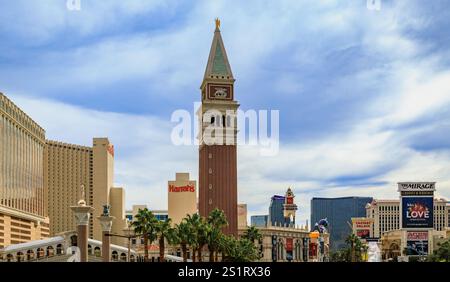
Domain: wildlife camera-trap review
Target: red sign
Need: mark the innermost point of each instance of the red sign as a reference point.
(312, 250)
(362, 224)
(186, 188)
(289, 244)
(417, 236)
(110, 149)
(363, 233)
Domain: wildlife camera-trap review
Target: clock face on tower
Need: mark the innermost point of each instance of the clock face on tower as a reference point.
(220, 91)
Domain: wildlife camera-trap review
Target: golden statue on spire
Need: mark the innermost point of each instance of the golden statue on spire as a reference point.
(217, 23)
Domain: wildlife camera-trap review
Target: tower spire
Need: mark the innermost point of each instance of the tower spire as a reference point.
(218, 66)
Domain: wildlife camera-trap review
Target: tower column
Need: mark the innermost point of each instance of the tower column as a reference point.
(106, 224)
(82, 215)
(217, 138)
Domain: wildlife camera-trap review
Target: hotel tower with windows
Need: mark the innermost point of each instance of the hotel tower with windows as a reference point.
(23, 199)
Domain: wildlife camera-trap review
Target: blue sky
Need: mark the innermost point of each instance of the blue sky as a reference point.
(363, 95)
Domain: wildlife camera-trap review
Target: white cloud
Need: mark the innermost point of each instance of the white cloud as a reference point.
(372, 148)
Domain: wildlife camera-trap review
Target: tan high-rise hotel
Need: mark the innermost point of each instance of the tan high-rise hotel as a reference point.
(68, 167)
(23, 204)
(40, 179)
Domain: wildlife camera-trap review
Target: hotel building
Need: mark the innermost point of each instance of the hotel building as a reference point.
(182, 197)
(68, 167)
(386, 215)
(23, 202)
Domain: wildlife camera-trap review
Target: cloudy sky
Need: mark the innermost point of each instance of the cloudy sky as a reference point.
(363, 95)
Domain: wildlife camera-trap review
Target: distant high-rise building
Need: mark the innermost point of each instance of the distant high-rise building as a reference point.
(339, 212)
(276, 211)
(242, 216)
(23, 203)
(282, 209)
(259, 220)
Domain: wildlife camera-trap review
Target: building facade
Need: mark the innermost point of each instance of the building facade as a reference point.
(259, 220)
(242, 216)
(217, 138)
(70, 167)
(276, 212)
(182, 197)
(339, 212)
(386, 215)
(59, 249)
(67, 168)
(23, 203)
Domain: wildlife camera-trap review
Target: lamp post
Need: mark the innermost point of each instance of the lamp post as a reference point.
(106, 223)
(129, 234)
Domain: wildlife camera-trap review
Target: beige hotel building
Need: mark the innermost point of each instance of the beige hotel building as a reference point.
(68, 168)
(40, 179)
(23, 199)
(386, 215)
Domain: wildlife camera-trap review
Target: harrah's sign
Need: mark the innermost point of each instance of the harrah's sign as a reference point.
(416, 186)
(186, 188)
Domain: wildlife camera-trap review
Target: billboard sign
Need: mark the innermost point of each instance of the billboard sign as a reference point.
(289, 244)
(416, 188)
(184, 188)
(416, 248)
(417, 236)
(417, 212)
(363, 233)
(417, 243)
(362, 227)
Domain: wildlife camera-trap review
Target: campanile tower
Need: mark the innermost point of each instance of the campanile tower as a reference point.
(217, 137)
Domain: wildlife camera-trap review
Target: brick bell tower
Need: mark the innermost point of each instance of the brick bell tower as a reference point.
(217, 137)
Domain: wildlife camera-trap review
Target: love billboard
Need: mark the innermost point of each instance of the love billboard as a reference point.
(417, 212)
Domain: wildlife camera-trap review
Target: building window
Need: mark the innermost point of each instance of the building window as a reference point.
(97, 252)
(40, 253)
(19, 256)
(50, 251)
(59, 249)
(115, 256)
(30, 255)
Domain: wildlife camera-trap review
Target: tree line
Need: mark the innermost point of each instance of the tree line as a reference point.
(195, 233)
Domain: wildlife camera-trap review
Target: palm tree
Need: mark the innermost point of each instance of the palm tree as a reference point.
(144, 225)
(355, 248)
(214, 236)
(238, 250)
(216, 220)
(196, 223)
(252, 233)
(184, 237)
(164, 231)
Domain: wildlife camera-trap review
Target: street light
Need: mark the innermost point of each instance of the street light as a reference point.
(129, 234)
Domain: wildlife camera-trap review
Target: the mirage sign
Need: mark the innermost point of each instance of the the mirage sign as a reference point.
(416, 188)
